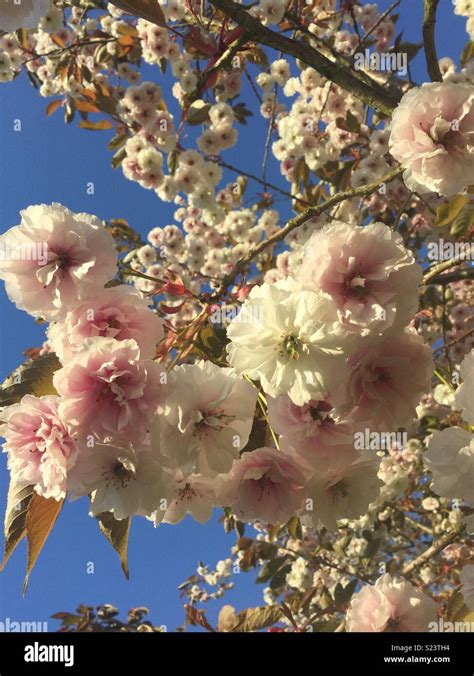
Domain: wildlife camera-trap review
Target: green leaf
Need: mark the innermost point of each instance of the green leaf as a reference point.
(254, 619)
(33, 377)
(294, 528)
(118, 158)
(40, 519)
(18, 500)
(447, 212)
(411, 49)
(455, 606)
(270, 568)
(117, 533)
(279, 579)
(241, 113)
(342, 594)
(352, 122)
(117, 141)
(146, 9)
(198, 112)
(463, 223)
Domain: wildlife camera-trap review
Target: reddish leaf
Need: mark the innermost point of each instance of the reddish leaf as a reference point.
(96, 126)
(86, 107)
(53, 106)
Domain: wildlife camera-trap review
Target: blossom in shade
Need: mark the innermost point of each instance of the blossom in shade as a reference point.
(290, 340)
(207, 418)
(392, 604)
(386, 377)
(310, 431)
(450, 457)
(124, 480)
(432, 136)
(344, 489)
(55, 259)
(264, 485)
(40, 449)
(195, 495)
(367, 271)
(120, 312)
(465, 393)
(24, 14)
(107, 391)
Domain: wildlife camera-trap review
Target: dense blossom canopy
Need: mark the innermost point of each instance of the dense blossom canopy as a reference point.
(310, 376)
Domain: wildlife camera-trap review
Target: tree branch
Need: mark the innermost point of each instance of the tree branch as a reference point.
(432, 551)
(431, 276)
(372, 94)
(429, 21)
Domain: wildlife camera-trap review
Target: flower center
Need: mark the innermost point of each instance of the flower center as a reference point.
(121, 475)
(291, 347)
(339, 490)
(356, 286)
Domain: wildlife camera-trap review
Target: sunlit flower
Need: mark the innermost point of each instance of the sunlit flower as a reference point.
(392, 604)
(432, 136)
(40, 449)
(60, 259)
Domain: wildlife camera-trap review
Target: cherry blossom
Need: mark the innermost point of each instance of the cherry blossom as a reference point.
(392, 604)
(40, 449)
(431, 136)
(54, 259)
(108, 391)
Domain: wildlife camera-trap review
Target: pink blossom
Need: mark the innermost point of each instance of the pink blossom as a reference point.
(60, 259)
(123, 479)
(195, 495)
(369, 274)
(120, 312)
(391, 605)
(311, 432)
(342, 487)
(432, 136)
(108, 391)
(264, 485)
(39, 446)
(387, 376)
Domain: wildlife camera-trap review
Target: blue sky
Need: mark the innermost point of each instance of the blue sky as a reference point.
(51, 162)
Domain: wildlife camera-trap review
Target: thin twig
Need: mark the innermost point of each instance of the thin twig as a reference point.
(376, 25)
(269, 136)
(266, 184)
